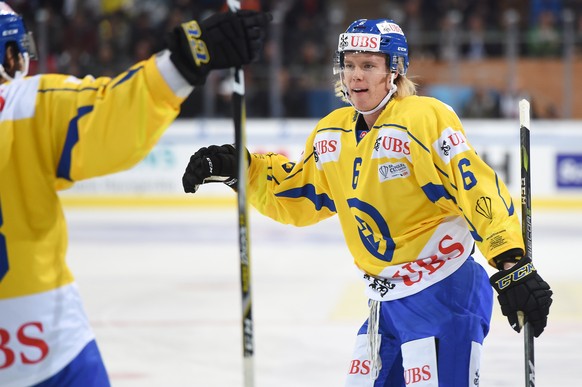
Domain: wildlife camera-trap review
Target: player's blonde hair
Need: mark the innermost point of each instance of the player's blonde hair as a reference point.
(406, 87)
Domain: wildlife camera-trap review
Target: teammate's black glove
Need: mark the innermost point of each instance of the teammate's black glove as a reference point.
(215, 164)
(221, 41)
(522, 290)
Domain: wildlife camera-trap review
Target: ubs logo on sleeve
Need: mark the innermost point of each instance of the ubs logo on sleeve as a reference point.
(450, 143)
(326, 147)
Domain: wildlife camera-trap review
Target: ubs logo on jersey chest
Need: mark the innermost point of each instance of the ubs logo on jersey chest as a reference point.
(392, 143)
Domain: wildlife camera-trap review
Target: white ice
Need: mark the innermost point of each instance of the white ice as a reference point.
(162, 290)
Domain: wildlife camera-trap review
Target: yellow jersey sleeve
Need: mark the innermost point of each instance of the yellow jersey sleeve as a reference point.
(56, 130)
(454, 177)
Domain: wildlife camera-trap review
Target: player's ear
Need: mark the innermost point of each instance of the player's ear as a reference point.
(389, 78)
(13, 60)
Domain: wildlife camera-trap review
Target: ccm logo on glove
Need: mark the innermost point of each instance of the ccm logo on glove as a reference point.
(521, 290)
(515, 276)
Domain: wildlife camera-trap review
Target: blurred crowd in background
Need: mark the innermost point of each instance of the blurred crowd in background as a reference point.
(294, 76)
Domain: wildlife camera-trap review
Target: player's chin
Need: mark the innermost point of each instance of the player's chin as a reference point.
(360, 100)
(362, 105)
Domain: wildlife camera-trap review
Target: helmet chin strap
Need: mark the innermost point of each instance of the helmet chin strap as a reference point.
(382, 103)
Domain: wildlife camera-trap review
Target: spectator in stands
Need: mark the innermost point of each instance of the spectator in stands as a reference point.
(484, 103)
(544, 38)
(475, 46)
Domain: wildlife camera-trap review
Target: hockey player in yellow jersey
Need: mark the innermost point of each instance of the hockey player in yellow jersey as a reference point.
(414, 200)
(56, 130)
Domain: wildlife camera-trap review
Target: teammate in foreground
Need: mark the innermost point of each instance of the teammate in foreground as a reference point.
(413, 199)
(56, 130)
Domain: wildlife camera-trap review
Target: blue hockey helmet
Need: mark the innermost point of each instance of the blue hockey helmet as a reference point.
(378, 35)
(12, 30)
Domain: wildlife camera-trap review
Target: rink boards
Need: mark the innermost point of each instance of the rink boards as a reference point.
(556, 151)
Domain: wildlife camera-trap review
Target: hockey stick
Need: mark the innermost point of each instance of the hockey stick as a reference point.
(524, 114)
(239, 117)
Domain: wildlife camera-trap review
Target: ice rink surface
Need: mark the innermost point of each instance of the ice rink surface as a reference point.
(162, 290)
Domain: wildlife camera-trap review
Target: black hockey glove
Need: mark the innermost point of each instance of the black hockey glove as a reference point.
(215, 164)
(221, 41)
(522, 290)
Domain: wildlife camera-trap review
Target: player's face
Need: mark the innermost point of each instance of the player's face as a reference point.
(367, 79)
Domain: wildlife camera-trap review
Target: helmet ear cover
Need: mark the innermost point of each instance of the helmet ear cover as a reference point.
(13, 33)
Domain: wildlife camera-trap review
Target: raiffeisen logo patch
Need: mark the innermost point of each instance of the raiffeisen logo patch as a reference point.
(569, 170)
(390, 171)
(326, 147)
(450, 143)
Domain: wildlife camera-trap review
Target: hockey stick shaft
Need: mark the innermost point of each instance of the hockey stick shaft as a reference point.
(239, 117)
(526, 227)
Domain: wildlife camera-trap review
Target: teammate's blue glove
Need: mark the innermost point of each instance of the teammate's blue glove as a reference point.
(215, 164)
(221, 41)
(521, 290)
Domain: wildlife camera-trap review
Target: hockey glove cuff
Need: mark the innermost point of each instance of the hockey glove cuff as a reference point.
(221, 41)
(521, 291)
(214, 164)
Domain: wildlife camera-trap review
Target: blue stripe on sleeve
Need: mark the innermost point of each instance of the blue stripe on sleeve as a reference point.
(510, 208)
(308, 192)
(435, 192)
(127, 76)
(64, 167)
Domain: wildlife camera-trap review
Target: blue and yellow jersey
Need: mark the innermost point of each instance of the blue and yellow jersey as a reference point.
(56, 130)
(412, 196)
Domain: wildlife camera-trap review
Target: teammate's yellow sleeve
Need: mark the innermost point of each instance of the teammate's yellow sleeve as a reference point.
(5, 143)
(116, 123)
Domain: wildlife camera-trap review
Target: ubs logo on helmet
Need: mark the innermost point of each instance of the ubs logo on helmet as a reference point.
(359, 42)
(386, 27)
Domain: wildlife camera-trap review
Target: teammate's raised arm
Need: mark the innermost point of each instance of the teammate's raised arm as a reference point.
(57, 129)
(222, 41)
